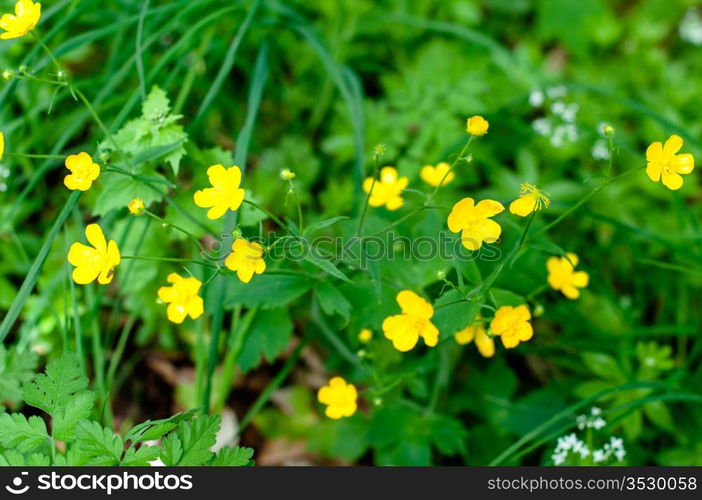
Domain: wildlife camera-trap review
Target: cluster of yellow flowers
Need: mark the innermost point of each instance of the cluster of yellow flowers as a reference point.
(474, 220)
(475, 223)
(100, 260)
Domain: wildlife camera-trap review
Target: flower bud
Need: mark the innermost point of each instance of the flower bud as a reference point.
(287, 175)
(136, 206)
(8, 75)
(608, 130)
(441, 275)
(477, 125)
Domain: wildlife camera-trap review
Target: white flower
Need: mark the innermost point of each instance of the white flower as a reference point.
(542, 126)
(556, 92)
(599, 423)
(616, 442)
(620, 454)
(600, 151)
(558, 458)
(599, 456)
(536, 98)
(690, 28)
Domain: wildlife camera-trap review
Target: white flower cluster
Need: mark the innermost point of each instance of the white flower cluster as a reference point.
(571, 444)
(615, 447)
(568, 444)
(4, 174)
(560, 127)
(690, 28)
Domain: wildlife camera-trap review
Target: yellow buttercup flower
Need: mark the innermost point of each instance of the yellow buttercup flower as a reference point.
(433, 175)
(83, 172)
(477, 125)
(474, 222)
(405, 329)
(365, 335)
(512, 325)
(476, 331)
(182, 298)
(387, 189)
(667, 166)
(136, 206)
(2, 145)
(27, 14)
(98, 261)
(339, 397)
(562, 275)
(225, 193)
(530, 200)
(246, 259)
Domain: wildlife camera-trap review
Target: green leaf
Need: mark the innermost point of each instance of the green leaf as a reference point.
(156, 152)
(325, 265)
(322, 224)
(12, 458)
(267, 290)
(604, 366)
(152, 430)
(117, 190)
(16, 368)
(99, 446)
(269, 334)
(448, 435)
(140, 457)
(172, 449)
(506, 298)
(77, 408)
(156, 106)
(51, 391)
(332, 300)
(454, 317)
(233, 456)
(189, 444)
(22, 434)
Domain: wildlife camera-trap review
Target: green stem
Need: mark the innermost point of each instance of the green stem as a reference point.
(580, 203)
(364, 212)
(293, 191)
(171, 259)
(40, 157)
(269, 214)
(177, 228)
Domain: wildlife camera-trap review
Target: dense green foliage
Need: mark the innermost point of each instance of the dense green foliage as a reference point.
(314, 86)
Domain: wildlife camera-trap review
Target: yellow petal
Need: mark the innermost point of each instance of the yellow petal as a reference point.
(196, 307)
(85, 274)
(217, 175)
(217, 211)
(207, 197)
(581, 279)
(653, 170)
(176, 312)
(96, 237)
(524, 205)
(460, 212)
(488, 208)
(672, 181)
(414, 305)
(683, 164)
(430, 334)
(672, 145)
(571, 292)
(654, 152)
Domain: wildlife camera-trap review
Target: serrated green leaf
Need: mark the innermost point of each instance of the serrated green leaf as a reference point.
(98, 445)
(50, 391)
(16, 368)
(454, 317)
(332, 300)
(189, 444)
(232, 456)
(506, 298)
(269, 334)
(171, 450)
(156, 106)
(77, 408)
(22, 434)
(140, 457)
(156, 429)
